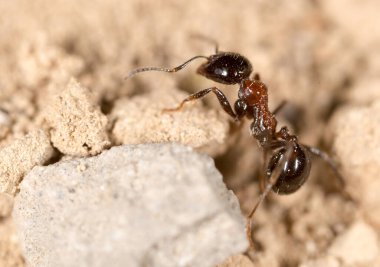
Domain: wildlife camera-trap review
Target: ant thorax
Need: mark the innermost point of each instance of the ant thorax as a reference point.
(254, 94)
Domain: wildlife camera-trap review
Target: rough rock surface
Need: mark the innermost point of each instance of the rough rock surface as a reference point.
(141, 120)
(145, 205)
(360, 160)
(358, 246)
(22, 155)
(77, 126)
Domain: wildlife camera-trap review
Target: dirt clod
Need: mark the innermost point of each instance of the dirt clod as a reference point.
(77, 126)
(19, 157)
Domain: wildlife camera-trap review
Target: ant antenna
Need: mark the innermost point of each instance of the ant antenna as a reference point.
(175, 69)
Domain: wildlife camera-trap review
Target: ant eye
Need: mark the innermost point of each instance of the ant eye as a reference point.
(295, 172)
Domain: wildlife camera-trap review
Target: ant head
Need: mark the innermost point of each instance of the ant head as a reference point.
(296, 168)
(226, 68)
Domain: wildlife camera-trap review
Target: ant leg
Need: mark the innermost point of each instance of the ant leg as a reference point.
(326, 158)
(256, 76)
(271, 182)
(323, 155)
(207, 39)
(279, 107)
(262, 174)
(262, 177)
(175, 69)
(219, 94)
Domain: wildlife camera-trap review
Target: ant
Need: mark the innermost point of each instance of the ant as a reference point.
(289, 161)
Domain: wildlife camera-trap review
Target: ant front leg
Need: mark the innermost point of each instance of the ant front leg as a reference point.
(223, 101)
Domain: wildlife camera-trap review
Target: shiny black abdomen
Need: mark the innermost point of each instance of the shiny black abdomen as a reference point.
(295, 171)
(226, 68)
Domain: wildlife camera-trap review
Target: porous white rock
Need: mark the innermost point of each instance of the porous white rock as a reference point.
(137, 205)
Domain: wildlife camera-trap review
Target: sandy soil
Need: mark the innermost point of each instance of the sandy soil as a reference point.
(321, 56)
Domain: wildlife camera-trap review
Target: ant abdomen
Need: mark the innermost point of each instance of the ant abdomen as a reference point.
(295, 171)
(226, 68)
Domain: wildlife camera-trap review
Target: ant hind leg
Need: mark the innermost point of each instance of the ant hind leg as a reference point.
(326, 158)
(268, 187)
(262, 177)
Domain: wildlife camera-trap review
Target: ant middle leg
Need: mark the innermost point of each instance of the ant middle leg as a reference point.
(279, 107)
(223, 101)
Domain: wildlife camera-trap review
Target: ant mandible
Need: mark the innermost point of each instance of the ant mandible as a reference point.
(289, 161)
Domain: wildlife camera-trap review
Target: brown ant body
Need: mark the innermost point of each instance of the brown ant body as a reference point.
(289, 161)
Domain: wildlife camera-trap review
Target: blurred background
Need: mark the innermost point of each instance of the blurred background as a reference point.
(314, 54)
